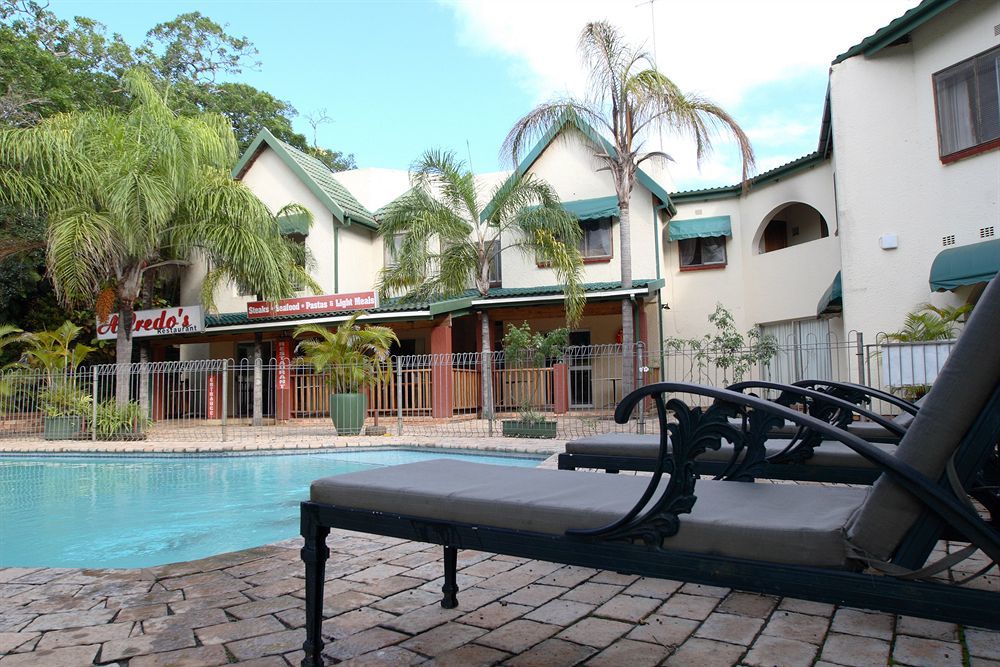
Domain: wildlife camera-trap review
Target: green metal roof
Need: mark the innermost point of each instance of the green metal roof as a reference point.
(459, 302)
(314, 175)
(965, 265)
(897, 29)
(693, 228)
(832, 300)
(769, 176)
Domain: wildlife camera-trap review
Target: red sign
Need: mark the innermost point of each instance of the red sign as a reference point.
(313, 305)
(211, 396)
(282, 379)
(156, 322)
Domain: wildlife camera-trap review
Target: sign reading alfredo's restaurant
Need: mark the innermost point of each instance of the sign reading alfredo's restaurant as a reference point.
(313, 305)
(156, 322)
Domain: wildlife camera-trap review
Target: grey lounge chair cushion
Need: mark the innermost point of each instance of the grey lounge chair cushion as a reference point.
(968, 378)
(830, 453)
(783, 523)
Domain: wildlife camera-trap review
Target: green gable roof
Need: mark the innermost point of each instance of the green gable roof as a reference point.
(896, 30)
(314, 175)
(770, 176)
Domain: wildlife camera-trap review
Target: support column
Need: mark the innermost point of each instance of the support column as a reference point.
(283, 379)
(560, 382)
(442, 400)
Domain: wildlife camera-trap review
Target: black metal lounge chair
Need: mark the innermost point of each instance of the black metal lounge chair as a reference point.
(790, 452)
(857, 546)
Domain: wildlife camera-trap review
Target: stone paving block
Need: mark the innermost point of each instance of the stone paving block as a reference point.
(518, 636)
(806, 607)
(61, 603)
(730, 628)
(199, 618)
(221, 602)
(560, 612)
(346, 601)
(470, 655)
(705, 653)
(615, 578)
(855, 651)
(552, 652)
(653, 588)
(266, 661)
(231, 631)
(921, 652)
(535, 594)
(769, 651)
(695, 607)
(253, 567)
(146, 644)
(11, 640)
(382, 571)
(215, 589)
(924, 627)
(293, 618)
(494, 614)
(274, 589)
(442, 639)
(800, 627)
(983, 662)
(201, 656)
(405, 601)
(425, 618)
(155, 596)
(95, 634)
(285, 571)
(522, 575)
(141, 613)
(983, 643)
(631, 653)
(568, 576)
(354, 621)
(489, 568)
(199, 579)
(664, 630)
(270, 644)
(392, 585)
(415, 560)
(363, 642)
(591, 593)
(70, 619)
(264, 607)
(597, 632)
(702, 589)
(8, 574)
(73, 656)
(629, 608)
(108, 588)
(463, 581)
(748, 604)
(393, 656)
(15, 621)
(863, 623)
(473, 598)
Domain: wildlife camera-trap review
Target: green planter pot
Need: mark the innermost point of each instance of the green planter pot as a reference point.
(515, 428)
(63, 428)
(348, 412)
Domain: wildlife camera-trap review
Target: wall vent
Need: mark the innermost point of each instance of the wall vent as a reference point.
(986, 232)
(948, 240)
(996, 30)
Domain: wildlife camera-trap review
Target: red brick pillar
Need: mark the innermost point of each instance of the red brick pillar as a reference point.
(560, 381)
(283, 379)
(442, 400)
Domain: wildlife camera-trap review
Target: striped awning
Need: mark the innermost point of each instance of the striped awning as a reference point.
(695, 228)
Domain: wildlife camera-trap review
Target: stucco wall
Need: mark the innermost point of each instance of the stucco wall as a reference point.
(889, 176)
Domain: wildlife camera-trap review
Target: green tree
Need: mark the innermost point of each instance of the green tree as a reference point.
(629, 98)
(132, 193)
(193, 47)
(354, 354)
(448, 242)
(929, 322)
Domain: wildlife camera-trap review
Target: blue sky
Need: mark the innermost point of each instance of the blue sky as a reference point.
(401, 77)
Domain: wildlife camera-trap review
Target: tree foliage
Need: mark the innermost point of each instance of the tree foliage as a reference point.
(726, 350)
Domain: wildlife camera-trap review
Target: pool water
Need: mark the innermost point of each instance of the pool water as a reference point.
(141, 511)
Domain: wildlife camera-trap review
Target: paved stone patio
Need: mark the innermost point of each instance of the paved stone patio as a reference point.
(382, 607)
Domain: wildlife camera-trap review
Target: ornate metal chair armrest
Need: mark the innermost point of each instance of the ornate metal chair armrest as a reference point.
(870, 392)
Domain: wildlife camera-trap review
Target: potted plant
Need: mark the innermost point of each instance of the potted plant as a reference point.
(915, 353)
(352, 357)
(525, 349)
(121, 422)
(63, 404)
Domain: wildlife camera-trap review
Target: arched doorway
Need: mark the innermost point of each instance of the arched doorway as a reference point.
(790, 225)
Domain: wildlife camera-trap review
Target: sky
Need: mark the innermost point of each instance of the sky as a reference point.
(400, 77)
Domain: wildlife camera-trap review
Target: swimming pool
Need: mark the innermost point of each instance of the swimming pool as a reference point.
(138, 511)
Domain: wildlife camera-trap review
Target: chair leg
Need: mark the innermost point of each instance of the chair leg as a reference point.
(450, 587)
(314, 555)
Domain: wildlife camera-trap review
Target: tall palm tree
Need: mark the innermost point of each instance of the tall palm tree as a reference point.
(628, 98)
(127, 194)
(449, 240)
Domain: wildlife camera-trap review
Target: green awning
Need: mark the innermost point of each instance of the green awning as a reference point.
(832, 300)
(294, 223)
(696, 228)
(591, 209)
(965, 265)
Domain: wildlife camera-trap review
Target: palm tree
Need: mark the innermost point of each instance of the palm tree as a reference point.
(128, 194)
(449, 241)
(629, 98)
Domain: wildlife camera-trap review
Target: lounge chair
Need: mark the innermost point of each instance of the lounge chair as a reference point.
(789, 452)
(862, 547)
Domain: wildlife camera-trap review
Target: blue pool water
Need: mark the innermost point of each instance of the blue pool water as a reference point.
(142, 511)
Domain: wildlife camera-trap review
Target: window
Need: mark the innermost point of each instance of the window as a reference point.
(496, 268)
(968, 105)
(298, 247)
(706, 252)
(596, 240)
(390, 249)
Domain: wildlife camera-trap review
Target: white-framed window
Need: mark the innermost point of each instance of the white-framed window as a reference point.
(705, 252)
(595, 242)
(496, 266)
(390, 249)
(967, 101)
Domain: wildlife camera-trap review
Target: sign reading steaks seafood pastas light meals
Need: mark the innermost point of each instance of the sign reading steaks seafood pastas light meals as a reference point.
(313, 305)
(156, 322)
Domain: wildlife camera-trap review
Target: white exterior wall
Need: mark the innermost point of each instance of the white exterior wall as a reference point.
(757, 288)
(889, 175)
(569, 166)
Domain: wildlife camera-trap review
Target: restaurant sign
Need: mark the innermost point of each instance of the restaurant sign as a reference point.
(313, 305)
(156, 322)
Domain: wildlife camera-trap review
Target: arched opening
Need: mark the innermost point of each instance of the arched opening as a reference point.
(790, 225)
